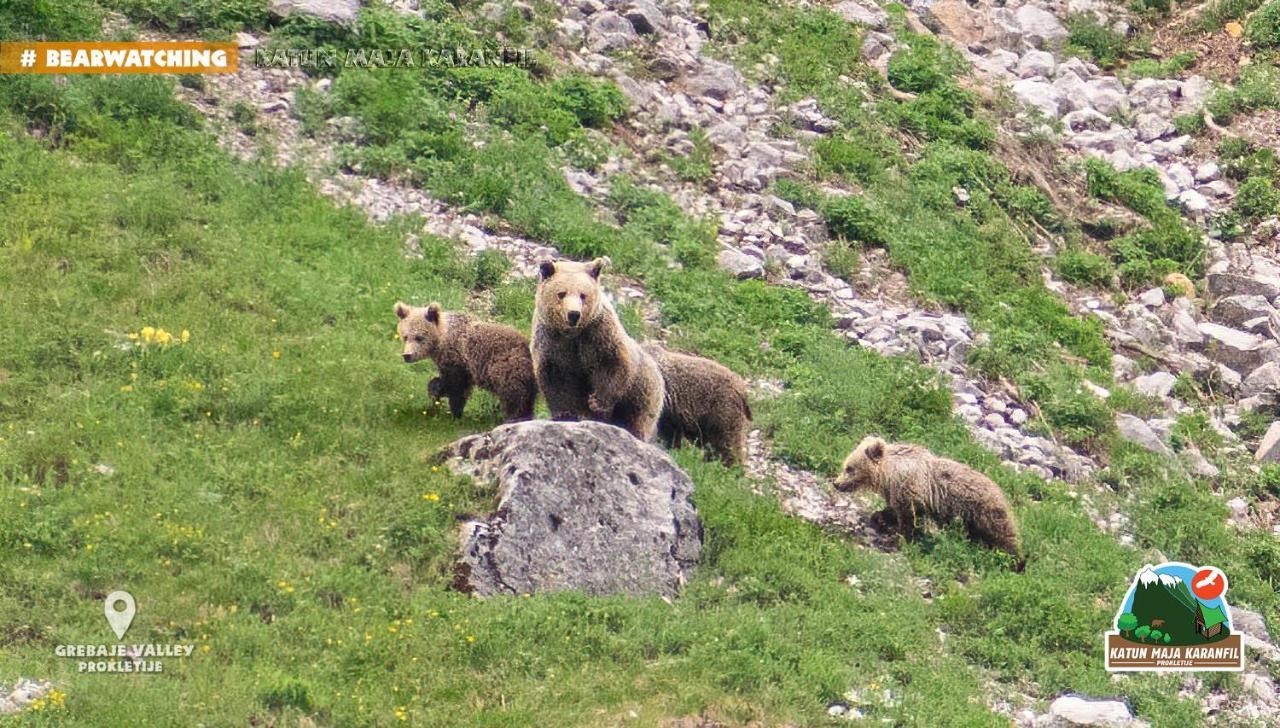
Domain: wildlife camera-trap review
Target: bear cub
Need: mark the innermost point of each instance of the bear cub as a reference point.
(586, 364)
(705, 402)
(914, 482)
(470, 353)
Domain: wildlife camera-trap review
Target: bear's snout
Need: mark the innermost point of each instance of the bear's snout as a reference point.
(574, 317)
(408, 358)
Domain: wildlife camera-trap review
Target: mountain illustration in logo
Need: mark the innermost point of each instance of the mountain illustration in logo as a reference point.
(1175, 617)
(1172, 615)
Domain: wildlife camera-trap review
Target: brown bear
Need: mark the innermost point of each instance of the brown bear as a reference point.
(470, 353)
(586, 364)
(915, 482)
(705, 402)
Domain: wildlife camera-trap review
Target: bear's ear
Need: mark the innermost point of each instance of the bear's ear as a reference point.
(433, 312)
(546, 269)
(598, 265)
(875, 449)
(402, 309)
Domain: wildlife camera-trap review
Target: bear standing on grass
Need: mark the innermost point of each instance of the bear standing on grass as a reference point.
(915, 482)
(470, 353)
(705, 402)
(586, 364)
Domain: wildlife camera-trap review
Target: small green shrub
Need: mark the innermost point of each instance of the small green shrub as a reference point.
(851, 218)
(291, 694)
(923, 64)
(1166, 68)
(1257, 198)
(798, 193)
(1147, 255)
(594, 103)
(697, 165)
(1223, 11)
(865, 158)
(489, 268)
(1258, 87)
(1193, 429)
(1256, 163)
(1095, 41)
(190, 16)
(1263, 29)
(1083, 268)
(842, 258)
(1191, 124)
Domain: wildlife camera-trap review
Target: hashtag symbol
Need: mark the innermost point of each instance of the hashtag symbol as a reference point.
(28, 58)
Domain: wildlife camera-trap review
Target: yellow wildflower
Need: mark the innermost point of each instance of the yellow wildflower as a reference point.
(148, 334)
(185, 336)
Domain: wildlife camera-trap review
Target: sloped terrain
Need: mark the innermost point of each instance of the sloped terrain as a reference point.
(1039, 238)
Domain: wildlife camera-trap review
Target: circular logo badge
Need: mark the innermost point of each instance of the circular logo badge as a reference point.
(1208, 583)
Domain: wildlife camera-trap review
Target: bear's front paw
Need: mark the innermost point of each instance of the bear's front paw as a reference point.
(435, 389)
(597, 407)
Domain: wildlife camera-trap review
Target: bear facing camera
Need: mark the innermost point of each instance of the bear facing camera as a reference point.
(585, 362)
(468, 354)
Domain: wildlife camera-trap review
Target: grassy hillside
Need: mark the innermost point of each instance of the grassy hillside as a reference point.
(262, 481)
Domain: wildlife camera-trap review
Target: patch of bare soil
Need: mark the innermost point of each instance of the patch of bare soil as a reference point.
(1218, 54)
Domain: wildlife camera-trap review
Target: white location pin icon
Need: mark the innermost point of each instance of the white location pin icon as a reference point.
(120, 620)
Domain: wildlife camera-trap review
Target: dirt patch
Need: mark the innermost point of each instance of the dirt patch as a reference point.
(1218, 55)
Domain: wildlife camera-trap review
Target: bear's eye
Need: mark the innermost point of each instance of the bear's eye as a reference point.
(583, 296)
(848, 468)
(418, 339)
(561, 295)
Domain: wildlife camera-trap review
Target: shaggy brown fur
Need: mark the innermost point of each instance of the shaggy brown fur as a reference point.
(915, 482)
(586, 364)
(705, 402)
(470, 353)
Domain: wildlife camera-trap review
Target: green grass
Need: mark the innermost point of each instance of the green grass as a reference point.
(1167, 245)
(1220, 13)
(1094, 41)
(1163, 68)
(975, 258)
(1258, 87)
(1263, 30)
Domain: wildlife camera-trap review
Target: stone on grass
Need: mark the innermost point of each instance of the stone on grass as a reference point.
(581, 506)
(342, 12)
(1079, 710)
(1135, 430)
(1269, 448)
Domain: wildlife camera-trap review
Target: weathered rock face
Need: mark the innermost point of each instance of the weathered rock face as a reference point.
(581, 506)
(1079, 710)
(333, 11)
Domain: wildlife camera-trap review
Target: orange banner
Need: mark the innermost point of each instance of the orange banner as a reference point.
(140, 57)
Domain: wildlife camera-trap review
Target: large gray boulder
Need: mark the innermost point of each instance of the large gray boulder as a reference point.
(1239, 350)
(1076, 710)
(342, 12)
(580, 506)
